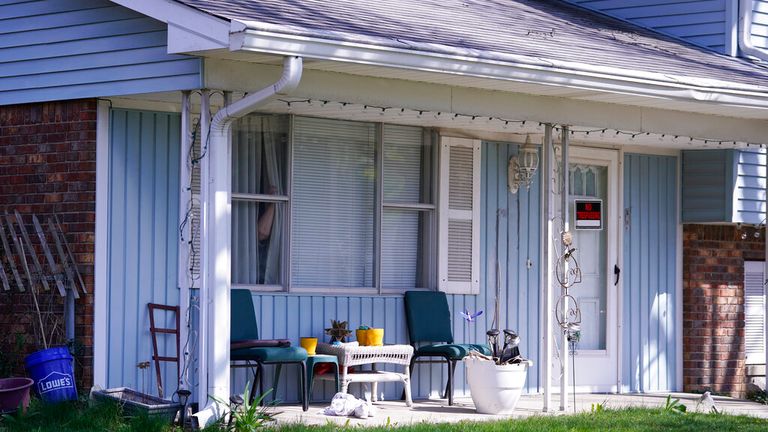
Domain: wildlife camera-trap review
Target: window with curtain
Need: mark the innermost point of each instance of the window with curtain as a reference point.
(259, 197)
(360, 197)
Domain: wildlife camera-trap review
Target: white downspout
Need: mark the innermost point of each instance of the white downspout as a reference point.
(746, 48)
(215, 377)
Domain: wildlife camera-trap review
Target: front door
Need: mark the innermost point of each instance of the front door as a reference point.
(593, 190)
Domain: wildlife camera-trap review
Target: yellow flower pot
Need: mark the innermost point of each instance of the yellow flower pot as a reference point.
(375, 337)
(309, 344)
(362, 337)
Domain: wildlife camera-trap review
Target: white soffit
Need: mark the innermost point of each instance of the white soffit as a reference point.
(753, 106)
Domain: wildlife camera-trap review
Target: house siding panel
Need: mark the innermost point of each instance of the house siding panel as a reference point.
(295, 315)
(700, 22)
(760, 23)
(724, 186)
(649, 332)
(749, 189)
(142, 242)
(53, 50)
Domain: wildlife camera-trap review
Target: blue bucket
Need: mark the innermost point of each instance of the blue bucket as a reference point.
(52, 371)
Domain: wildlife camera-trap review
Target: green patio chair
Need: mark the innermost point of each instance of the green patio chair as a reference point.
(429, 330)
(246, 346)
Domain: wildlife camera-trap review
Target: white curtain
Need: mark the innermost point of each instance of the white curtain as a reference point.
(258, 168)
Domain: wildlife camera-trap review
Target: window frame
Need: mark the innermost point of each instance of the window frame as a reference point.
(285, 200)
(379, 207)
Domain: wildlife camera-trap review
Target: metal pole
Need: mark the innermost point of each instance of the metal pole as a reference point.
(69, 314)
(547, 266)
(564, 212)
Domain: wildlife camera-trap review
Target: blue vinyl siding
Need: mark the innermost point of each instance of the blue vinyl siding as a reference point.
(649, 275)
(142, 242)
(724, 186)
(749, 190)
(68, 49)
(294, 315)
(760, 23)
(700, 22)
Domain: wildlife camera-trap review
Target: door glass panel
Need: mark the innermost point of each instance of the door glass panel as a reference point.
(589, 182)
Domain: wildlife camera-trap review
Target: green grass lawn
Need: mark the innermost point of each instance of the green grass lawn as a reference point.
(80, 417)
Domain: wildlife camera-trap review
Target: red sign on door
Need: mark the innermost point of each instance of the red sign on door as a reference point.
(589, 214)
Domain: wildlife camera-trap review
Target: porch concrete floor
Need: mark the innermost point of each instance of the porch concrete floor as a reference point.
(437, 410)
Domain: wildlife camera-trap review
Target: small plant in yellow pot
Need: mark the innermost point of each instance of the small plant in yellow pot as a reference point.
(362, 335)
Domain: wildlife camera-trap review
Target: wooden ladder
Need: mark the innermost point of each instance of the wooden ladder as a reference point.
(154, 331)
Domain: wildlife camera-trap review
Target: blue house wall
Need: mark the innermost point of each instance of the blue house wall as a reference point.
(70, 49)
(700, 22)
(650, 325)
(760, 23)
(724, 186)
(749, 189)
(142, 257)
(292, 316)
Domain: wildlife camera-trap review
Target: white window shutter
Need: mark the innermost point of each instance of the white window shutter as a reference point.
(459, 226)
(754, 312)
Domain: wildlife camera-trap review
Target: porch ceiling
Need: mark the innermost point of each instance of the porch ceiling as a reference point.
(566, 87)
(404, 98)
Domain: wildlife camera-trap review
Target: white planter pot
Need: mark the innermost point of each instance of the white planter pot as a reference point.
(495, 389)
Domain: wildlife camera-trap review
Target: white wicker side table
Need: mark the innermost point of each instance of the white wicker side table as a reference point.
(356, 355)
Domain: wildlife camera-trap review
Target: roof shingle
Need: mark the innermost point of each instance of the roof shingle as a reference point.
(541, 29)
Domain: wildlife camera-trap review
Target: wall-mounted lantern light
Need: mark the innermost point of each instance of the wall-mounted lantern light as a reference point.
(523, 166)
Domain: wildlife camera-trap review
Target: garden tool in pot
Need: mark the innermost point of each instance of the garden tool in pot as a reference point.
(511, 350)
(493, 341)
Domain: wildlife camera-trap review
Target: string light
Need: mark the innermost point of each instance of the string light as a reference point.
(506, 122)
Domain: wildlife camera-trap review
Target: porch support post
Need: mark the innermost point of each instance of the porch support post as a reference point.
(565, 222)
(205, 205)
(185, 209)
(547, 174)
(217, 192)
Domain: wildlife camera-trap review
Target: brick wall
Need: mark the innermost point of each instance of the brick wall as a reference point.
(713, 306)
(48, 165)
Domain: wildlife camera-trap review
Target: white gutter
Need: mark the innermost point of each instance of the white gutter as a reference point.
(215, 292)
(746, 48)
(435, 58)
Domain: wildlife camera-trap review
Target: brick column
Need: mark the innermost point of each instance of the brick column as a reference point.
(48, 165)
(713, 307)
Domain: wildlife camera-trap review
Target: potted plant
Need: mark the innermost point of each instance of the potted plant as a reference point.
(496, 382)
(338, 331)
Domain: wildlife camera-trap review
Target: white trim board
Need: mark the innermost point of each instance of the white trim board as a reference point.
(101, 255)
(189, 29)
